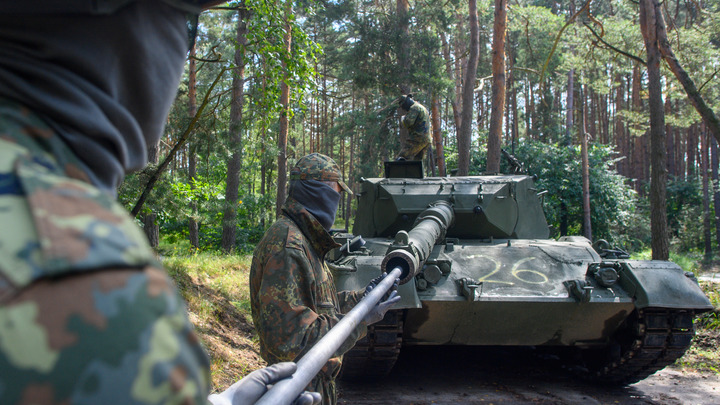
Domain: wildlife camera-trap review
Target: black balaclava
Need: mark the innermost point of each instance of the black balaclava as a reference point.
(318, 198)
(407, 103)
(104, 83)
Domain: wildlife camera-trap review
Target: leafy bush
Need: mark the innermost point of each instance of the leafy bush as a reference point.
(613, 203)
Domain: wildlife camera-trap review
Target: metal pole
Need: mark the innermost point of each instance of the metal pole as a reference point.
(285, 391)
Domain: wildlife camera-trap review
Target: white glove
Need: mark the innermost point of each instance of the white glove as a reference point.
(374, 282)
(378, 312)
(249, 389)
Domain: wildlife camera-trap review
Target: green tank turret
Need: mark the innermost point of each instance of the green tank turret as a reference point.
(479, 269)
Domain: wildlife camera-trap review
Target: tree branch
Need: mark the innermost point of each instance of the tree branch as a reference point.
(557, 39)
(171, 155)
(688, 84)
(621, 52)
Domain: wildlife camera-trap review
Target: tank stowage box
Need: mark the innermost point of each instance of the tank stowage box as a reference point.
(479, 269)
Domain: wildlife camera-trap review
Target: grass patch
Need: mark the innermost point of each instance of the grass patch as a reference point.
(710, 320)
(703, 355)
(216, 290)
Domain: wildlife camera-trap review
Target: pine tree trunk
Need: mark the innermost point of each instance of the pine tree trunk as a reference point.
(351, 170)
(402, 10)
(232, 182)
(150, 226)
(658, 181)
(682, 140)
(716, 188)
(530, 111)
(570, 110)
(498, 87)
(691, 144)
(264, 161)
(283, 132)
(670, 149)
(587, 223)
(513, 108)
(437, 136)
(620, 133)
(592, 101)
(637, 156)
(707, 230)
(193, 226)
(464, 136)
(616, 136)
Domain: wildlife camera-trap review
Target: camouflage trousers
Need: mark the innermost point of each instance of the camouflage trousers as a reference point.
(86, 313)
(325, 385)
(413, 149)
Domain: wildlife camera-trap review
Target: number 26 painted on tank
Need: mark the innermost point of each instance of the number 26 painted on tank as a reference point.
(518, 273)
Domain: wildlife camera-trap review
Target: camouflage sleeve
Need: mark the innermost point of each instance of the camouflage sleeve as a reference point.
(296, 307)
(110, 337)
(87, 316)
(348, 300)
(409, 119)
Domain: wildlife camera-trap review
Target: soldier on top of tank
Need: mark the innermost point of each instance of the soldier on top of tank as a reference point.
(414, 117)
(293, 297)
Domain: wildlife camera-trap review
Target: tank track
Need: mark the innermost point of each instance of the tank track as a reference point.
(651, 339)
(374, 355)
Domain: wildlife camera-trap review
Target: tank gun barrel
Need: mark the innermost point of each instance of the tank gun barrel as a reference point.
(410, 249)
(285, 391)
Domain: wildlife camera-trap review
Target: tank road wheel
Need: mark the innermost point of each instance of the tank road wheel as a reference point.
(649, 340)
(374, 355)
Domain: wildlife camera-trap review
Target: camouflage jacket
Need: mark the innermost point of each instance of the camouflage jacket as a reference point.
(418, 124)
(294, 301)
(86, 313)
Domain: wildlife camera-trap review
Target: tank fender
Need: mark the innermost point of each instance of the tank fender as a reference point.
(661, 284)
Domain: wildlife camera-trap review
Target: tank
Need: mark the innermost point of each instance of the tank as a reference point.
(479, 269)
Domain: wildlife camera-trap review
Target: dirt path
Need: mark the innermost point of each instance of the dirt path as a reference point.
(447, 375)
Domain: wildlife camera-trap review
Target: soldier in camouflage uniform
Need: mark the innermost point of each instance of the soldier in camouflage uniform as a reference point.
(293, 297)
(87, 315)
(416, 120)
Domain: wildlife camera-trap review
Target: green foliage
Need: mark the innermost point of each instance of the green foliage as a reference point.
(536, 28)
(684, 211)
(711, 320)
(346, 66)
(612, 202)
(688, 261)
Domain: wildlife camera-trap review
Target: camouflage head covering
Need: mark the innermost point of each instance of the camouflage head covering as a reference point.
(316, 166)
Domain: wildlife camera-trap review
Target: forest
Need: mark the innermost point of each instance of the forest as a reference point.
(612, 104)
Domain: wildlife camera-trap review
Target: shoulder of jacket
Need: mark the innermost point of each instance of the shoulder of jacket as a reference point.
(292, 237)
(281, 235)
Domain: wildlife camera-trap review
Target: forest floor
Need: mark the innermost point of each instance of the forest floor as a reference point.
(452, 375)
(218, 302)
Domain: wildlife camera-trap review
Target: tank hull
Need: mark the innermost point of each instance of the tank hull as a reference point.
(489, 275)
(518, 294)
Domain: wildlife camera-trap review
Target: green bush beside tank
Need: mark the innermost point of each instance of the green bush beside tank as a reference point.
(480, 269)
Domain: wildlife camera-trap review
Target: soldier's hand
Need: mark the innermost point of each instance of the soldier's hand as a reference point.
(374, 282)
(378, 312)
(249, 389)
